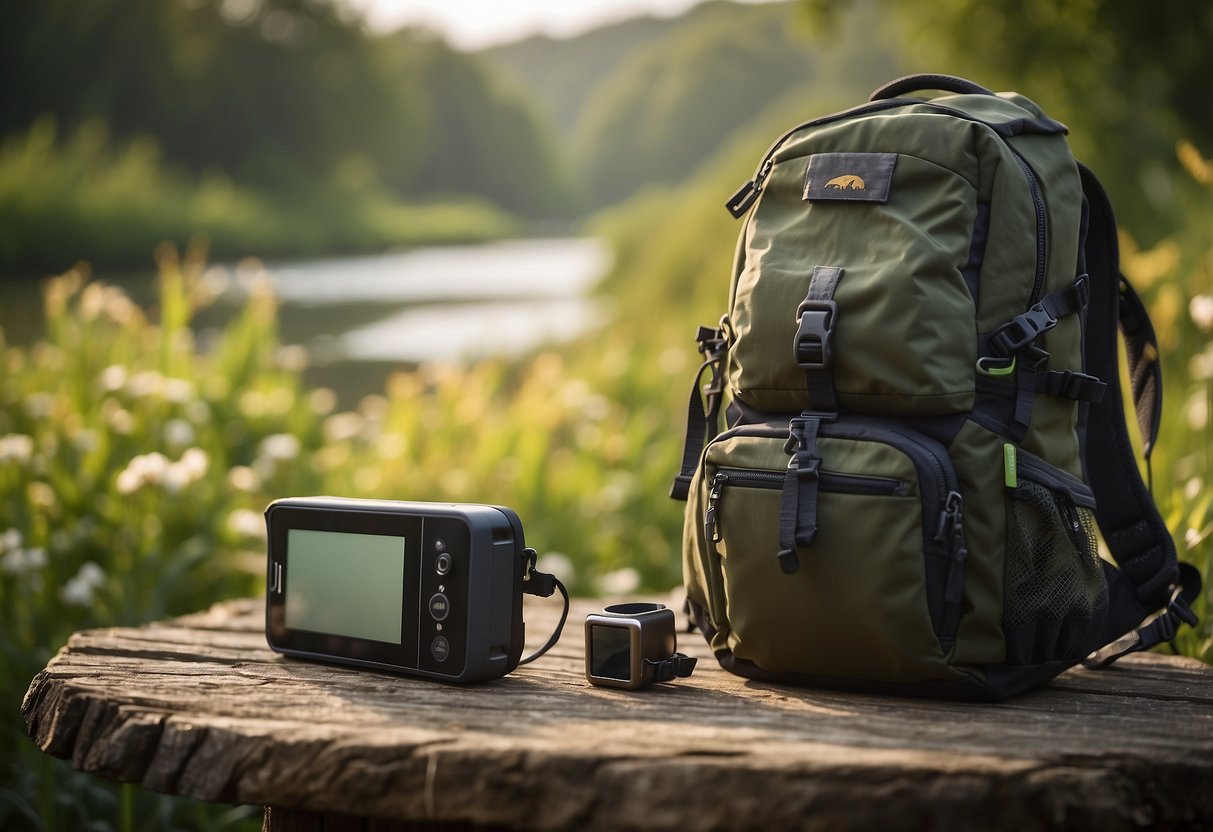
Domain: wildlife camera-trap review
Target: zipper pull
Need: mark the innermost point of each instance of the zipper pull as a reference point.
(710, 526)
(741, 201)
(949, 518)
(954, 591)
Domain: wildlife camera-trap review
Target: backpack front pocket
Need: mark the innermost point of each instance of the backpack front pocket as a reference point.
(877, 594)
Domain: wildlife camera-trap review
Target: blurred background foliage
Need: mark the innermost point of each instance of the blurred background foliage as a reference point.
(134, 465)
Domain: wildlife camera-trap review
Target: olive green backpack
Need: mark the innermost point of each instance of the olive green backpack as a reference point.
(923, 424)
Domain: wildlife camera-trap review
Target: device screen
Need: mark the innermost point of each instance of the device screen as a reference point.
(610, 652)
(346, 584)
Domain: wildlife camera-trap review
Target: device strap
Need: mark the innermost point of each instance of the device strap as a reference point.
(542, 584)
(677, 665)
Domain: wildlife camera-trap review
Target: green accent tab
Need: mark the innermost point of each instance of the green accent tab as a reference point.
(1009, 475)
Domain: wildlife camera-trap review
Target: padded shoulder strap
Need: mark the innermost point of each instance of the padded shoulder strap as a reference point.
(1135, 533)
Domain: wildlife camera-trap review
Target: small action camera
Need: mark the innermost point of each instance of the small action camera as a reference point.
(633, 645)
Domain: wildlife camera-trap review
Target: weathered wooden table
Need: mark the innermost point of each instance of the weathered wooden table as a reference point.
(199, 706)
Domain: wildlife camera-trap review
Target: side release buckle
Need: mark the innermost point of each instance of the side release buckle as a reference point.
(812, 344)
(1021, 330)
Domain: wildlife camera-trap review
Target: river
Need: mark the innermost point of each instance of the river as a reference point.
(362, 317)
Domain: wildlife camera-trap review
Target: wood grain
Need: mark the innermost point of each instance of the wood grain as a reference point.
(199, 706)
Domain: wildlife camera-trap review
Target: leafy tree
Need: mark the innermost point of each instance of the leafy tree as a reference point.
(1128, 78)
(284, 94)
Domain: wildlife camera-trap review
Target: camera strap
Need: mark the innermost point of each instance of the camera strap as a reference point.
(543, 585)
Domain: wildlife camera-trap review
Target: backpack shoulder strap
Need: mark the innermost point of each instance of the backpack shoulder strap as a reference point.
(1149, 576)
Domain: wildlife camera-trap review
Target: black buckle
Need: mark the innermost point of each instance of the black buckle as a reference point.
(805, 461)
(812, 344)
(1021, 330)
(710, 340)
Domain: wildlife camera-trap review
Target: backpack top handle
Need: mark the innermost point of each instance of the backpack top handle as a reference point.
(913, 83)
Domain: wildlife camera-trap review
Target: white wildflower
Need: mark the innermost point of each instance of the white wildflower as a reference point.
(145, 469)
(10, 539)
(23, 561)
(146, 383)
(558, 564)
(178, 433)
(293, 358)
(246, 523)
(279, 447)
(122, 422)
(176, 479)
(195, 462)
(129, 481)
(322, 400)
(16, 447)
(81, 587)
(620, 582)
(342, 426)
(1201, 310)
(113, 378)
(242, 478)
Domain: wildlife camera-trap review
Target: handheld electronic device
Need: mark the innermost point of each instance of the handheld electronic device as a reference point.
(425, 589)
(633, 645)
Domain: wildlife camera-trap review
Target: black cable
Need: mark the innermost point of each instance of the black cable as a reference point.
(555, 637)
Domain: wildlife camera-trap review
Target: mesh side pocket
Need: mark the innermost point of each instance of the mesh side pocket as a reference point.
(1053, 570)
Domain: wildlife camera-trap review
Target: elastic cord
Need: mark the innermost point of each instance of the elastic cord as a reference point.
(555, 637)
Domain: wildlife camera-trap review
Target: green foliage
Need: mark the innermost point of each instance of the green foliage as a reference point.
(125, 469)
(277, 94)
(78, 199)
(1176, 277)
(1128, 79)
(644, 102)
(672, 104)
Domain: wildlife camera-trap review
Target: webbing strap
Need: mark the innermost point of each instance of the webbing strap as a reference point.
(1132, 527)
(798, 502)
(676, 666)
(1142, 631)
(1017, 334)
(815, 318)
(700, 419)
(1068, 384)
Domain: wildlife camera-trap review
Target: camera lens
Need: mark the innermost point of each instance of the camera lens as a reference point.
(443, 563)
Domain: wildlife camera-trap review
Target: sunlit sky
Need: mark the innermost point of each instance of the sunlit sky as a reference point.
(471, 24)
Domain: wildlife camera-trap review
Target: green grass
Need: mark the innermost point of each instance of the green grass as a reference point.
(62, 201)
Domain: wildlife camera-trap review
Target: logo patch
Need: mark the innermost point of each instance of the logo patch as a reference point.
(849, 181)
(849, 177)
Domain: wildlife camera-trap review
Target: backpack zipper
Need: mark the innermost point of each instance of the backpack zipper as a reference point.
(831, 481)
(1038, 205)
(741, 201)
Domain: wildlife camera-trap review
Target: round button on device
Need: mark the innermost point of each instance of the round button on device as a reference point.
(440, 648)
(440, 606)
(443, 563)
